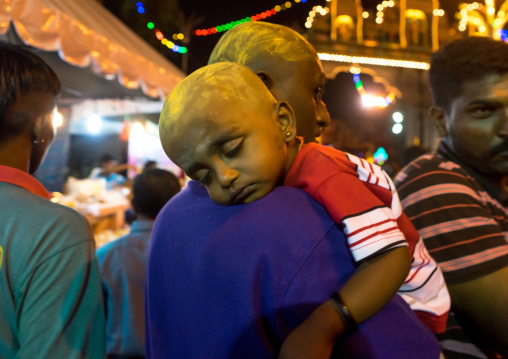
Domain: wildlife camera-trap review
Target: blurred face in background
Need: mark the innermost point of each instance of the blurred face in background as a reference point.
(475, 126)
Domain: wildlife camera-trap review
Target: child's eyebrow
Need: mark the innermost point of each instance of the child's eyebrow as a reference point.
(226, 136)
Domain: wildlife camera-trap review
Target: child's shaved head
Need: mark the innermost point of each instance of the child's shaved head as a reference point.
(210, 85)
(223, 127)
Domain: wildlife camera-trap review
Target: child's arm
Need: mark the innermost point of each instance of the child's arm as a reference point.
(375, 282)
(367, 291)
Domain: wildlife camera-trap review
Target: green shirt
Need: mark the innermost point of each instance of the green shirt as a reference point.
(50, 295)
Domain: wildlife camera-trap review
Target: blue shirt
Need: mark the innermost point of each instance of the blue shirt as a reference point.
(233, 281)
(122, 265)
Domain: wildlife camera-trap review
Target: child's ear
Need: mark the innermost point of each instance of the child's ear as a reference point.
(266, 78)
(287, 121)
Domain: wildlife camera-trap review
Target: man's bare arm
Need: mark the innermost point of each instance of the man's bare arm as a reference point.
(485, 301)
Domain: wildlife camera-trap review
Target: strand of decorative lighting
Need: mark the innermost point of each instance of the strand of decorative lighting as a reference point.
(160, 36)
(380, 11)
(374, 61)
(315, 11)
(411, 13)
(470, 13)
(261, 16)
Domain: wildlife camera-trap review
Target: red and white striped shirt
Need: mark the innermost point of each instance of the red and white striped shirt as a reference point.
(362, 197)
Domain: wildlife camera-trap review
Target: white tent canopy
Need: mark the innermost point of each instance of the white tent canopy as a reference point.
(85, 34)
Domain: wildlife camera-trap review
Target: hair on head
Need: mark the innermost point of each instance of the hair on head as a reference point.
(152, 189)
(21, 72)
(464, 60)
(250, 41)
(149, 165)
(107, 157)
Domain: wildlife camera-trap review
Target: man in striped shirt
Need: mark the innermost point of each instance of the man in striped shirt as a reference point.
(456, 197)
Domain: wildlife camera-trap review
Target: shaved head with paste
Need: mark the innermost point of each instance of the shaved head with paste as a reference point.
(198, 91)
(264, 40)
(288, 65)
(223, 127)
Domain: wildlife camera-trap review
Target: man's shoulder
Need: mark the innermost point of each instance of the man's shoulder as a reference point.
(125, 245)
(111, 247)
(421, 164)
(195, 195)
(23, 201)
(32, 223)
(192, 210)
(428, 169)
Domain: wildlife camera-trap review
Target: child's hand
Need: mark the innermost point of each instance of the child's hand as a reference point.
(315, 337)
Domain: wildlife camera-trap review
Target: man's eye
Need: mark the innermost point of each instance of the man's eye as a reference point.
(482, 111)
(233, 147)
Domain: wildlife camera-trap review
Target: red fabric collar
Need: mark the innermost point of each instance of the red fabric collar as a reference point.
(23, 179)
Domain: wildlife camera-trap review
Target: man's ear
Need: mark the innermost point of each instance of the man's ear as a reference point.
(438, 116)
(38, 130)
(287, 121)
(266, 78)
(43, 129)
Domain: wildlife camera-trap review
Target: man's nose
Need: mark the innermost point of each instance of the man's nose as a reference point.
(323, 117)
(503, 125)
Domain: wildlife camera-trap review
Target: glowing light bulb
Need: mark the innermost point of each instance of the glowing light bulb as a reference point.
(397, 117)
(94, 124)
(57, 118)
(397, 128)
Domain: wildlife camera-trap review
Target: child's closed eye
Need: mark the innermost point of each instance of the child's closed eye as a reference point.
(204, 178)
(233, 147)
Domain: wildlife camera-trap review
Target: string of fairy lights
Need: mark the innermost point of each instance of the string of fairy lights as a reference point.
(159, 35)
(484, 20)
(258, 17)
(214, 29)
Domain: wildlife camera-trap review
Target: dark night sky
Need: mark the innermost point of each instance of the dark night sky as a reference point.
(215, 12)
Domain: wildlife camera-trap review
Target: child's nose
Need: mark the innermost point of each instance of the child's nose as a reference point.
(226, 176)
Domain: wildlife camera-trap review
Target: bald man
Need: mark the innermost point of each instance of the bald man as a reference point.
(236, 253)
